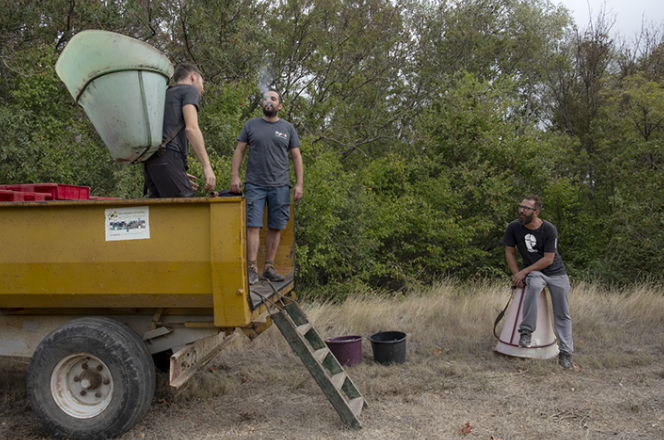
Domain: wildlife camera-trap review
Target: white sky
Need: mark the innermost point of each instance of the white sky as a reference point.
(629, 14)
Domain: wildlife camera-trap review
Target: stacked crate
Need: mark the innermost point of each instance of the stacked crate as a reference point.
(42, 192)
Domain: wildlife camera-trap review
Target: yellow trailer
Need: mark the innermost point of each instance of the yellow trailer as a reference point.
(172, 270)
(92, 290)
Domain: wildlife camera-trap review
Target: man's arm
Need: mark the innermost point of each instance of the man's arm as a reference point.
(195, 137)
(510, 256)
(519, 275)
(236, 183)
(298, 189)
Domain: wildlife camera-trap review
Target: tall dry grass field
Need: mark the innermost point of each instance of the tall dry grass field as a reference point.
(610, 328)
(451, 376)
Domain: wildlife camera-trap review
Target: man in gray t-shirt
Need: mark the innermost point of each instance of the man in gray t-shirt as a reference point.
(271, 141)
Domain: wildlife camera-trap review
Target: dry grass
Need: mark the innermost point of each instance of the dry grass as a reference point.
(452, 376)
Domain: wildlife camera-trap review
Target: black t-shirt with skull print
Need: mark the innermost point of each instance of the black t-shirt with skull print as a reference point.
(533, 243)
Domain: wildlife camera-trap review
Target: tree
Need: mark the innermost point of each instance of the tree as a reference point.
(632, 127)
(339, 64)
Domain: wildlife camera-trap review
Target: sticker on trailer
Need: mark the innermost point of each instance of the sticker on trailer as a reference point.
(127, 223)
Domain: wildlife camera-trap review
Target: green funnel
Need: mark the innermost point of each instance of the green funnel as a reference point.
(121, 84)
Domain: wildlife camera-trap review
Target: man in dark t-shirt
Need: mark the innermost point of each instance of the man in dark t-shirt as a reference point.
(166, 176)
(271, 141)
(537, 241)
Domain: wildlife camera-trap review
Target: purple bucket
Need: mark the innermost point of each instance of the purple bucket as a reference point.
(347, 349)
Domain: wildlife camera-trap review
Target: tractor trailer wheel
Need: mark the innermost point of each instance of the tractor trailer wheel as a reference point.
(147, 361)
(88, 380)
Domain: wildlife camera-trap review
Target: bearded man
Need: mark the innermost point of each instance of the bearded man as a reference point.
(537, 241)
(271, 141)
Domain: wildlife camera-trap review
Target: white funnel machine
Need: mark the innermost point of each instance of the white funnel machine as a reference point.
(121, 84)
(543, 342)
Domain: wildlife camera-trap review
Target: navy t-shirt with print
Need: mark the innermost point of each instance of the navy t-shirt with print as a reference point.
(269, 144)
(533, 243)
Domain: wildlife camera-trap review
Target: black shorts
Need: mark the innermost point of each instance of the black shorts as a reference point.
(166, 176)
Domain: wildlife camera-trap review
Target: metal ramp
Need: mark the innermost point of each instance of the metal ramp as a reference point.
(319, 360)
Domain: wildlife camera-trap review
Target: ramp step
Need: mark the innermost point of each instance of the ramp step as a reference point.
(338, 380)
(326, 370)
(356, 405)
(321, 354)
(304, 328)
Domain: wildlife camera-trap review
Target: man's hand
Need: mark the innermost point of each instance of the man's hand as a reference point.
(210, 178)
(296, 157)
(518, 279)
(236, 185)
(191, 180)
(193, 131)
(298, 192)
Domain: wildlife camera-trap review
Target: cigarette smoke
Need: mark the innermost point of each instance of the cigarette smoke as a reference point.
(266, 78)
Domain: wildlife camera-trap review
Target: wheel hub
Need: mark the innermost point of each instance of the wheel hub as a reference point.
(81, 385)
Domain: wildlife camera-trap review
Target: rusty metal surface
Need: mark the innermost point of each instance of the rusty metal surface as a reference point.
(193, 357)
(253, 330)
(22, 334)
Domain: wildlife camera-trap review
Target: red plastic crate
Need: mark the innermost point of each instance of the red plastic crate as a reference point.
(11, 196)
(57, 191)
(38, 197)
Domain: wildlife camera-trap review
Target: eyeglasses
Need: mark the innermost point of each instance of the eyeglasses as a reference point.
(526, 208)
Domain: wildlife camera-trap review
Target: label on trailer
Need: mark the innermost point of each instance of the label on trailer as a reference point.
(127, 223)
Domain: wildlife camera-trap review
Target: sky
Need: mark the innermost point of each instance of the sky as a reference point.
(629, 14)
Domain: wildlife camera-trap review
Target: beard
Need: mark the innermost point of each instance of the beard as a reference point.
(270, 111)
(525, 219)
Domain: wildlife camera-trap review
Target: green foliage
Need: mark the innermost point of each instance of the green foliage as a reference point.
(222, 115)
(423, 125)
(331, 246)
(632, 143)
(339, 65)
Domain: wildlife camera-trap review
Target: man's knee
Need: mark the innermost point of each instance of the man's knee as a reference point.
(273, 236)
(535, 282)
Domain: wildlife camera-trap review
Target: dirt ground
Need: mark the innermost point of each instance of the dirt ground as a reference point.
(452, 385)
(256, 392)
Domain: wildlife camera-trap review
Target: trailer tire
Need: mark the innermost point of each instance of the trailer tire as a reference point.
(150, 373)
(87, 380)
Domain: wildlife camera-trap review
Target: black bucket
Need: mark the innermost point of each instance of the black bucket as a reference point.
(389, 347)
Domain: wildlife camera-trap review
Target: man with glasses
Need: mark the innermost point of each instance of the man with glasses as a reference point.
(537, 241)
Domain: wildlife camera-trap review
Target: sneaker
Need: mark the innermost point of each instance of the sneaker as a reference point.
(272, 274)
(565, 360)
(524, 342)
(253, 276)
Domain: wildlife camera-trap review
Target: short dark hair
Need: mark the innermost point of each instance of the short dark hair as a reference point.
(536, 200)
(275, 90)
(182, 71)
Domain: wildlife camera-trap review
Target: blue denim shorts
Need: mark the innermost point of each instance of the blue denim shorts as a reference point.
(278, 205)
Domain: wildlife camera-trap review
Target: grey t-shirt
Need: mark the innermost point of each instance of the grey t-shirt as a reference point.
(269, 144)
(177, 96)
(533, 243)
